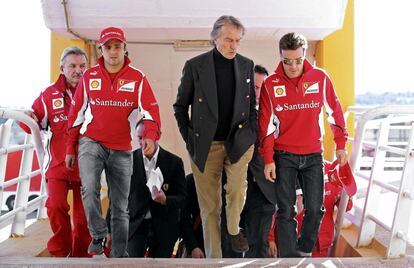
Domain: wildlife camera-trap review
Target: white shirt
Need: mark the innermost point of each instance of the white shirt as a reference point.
(150, 164)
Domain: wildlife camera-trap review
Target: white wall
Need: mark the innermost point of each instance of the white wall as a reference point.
(163, 66)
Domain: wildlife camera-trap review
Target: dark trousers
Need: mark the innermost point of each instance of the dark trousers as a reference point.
(309, 169)
(257, 215)
(145, 239)
(256, 220)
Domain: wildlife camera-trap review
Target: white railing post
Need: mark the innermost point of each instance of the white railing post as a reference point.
(365, 218)
(21, 207)
(42, 211)
(23, 188)
(5, 130)
(400, 225)
(367, 228)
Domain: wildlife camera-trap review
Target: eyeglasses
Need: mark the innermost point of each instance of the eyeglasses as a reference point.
(298, 61)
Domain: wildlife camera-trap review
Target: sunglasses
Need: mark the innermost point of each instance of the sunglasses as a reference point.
(298, 61)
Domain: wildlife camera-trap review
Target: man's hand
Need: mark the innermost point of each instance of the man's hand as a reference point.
(342, 157)
(159, 196)
(270, 172)
(197, 253)
(148, 147)
(272, 249)
(70, 161)
(32, 115)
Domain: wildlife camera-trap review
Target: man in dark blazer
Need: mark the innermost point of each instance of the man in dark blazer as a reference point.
(220, 134)
(191, 229)
(261, 194)
(154, 221)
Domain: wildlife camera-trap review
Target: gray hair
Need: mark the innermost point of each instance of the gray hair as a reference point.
(71, 51)
(220, 22)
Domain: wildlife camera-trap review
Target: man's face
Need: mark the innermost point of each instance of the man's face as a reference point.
(113, 53)
(73, 67)
(258, 81)
(228, 42)
(293, 62)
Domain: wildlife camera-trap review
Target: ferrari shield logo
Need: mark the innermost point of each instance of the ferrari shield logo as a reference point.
(311, 88)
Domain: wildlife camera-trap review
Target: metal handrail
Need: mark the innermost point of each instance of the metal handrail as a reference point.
(20, 116)
(18, 215)
(362, 122)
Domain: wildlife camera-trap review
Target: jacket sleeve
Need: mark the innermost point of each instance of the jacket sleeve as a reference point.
(335, 114)
(177, 200)
(40, 110)
(253, 111)
(185, 96)
(148, 106)
(266, 125)
(76, 117)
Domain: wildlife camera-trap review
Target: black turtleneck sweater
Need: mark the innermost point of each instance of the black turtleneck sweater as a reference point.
(224, 69)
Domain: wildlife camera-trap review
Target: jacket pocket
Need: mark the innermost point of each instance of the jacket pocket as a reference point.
(190, 141)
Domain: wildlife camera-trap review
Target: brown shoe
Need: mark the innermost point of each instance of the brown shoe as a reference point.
(239, 243)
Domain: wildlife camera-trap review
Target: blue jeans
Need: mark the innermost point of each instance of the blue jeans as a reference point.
(309, 169)
(93, 159)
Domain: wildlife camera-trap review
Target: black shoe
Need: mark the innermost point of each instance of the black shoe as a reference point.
(239, 243)
(96, 247)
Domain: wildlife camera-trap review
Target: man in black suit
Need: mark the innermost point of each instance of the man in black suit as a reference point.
(154, 217)
(220, 135)
(191, 228)
(261, 195)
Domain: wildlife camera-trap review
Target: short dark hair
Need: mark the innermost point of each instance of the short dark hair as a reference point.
(260, 70)
(220, 22)
(292, 41)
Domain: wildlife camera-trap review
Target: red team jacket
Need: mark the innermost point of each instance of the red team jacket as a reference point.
(326, 229)
(106, 112)
(290, 116)
(52, 109)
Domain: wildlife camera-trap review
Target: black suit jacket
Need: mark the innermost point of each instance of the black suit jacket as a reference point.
(256, 172)
(165, 218)
(198, 89)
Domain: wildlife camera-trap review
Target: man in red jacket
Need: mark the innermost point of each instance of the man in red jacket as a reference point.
(326, 231)
(291, 132)
(106, 106)
(50, 110)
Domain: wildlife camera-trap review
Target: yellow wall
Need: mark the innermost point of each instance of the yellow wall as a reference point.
(335, 54)
(58, 43)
